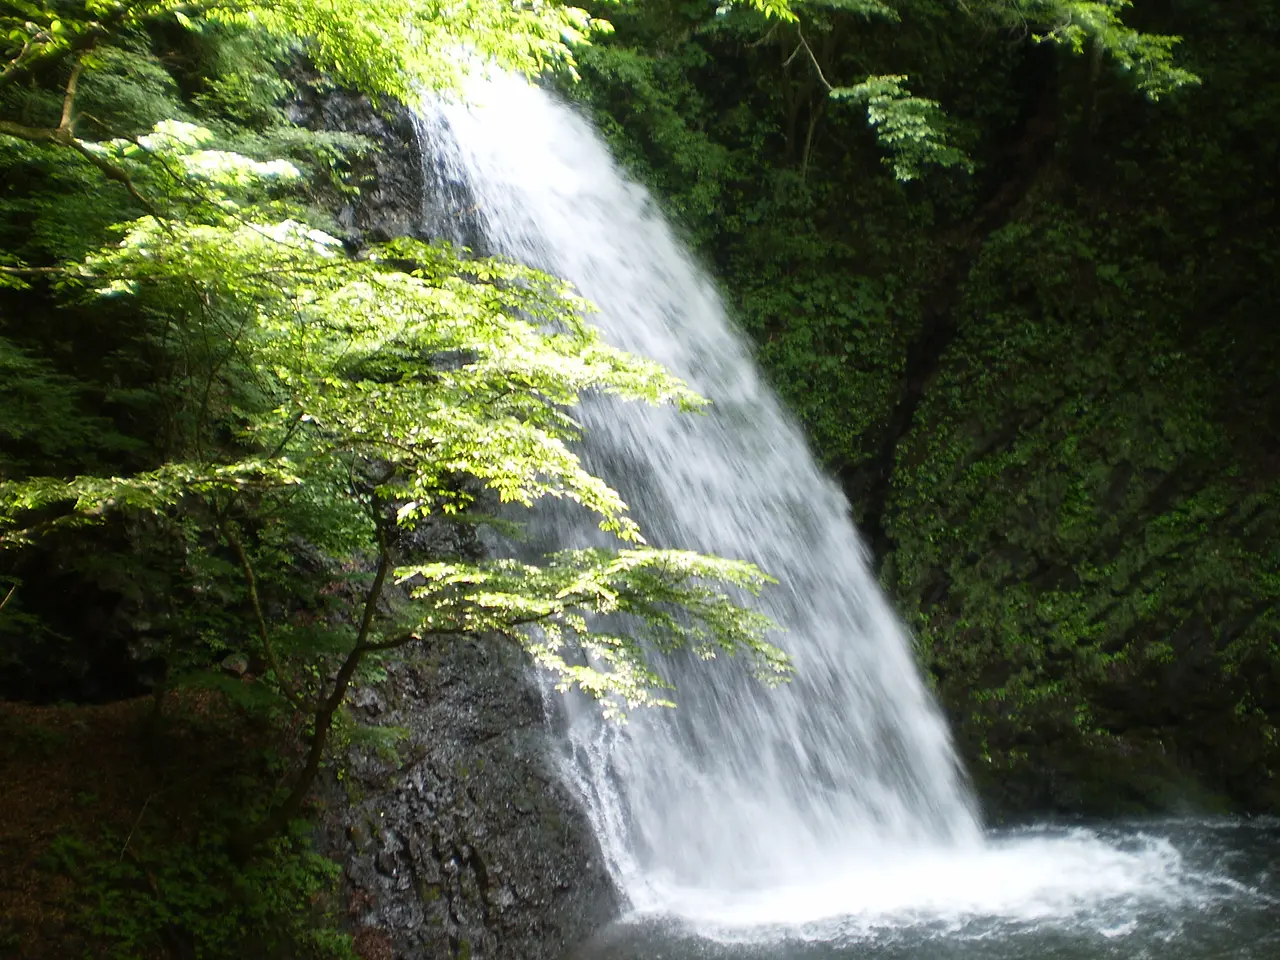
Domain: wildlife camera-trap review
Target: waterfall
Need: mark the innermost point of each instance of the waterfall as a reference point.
(741, 788)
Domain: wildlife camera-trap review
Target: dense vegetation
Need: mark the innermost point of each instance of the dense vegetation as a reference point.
(1012, 263)
(1042, 364)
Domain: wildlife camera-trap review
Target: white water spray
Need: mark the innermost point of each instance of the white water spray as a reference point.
(838, 794)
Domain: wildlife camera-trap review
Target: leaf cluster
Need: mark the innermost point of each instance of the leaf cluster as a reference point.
(306, 406)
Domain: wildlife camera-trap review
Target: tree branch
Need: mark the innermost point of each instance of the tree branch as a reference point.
(255, 603)
(20, 70)
(113, 172)
(817, 66)
(375, 589)
(763, 40)
(324, 712)
(22, 67)
(407, 638)
(30, 271)
(288, 435)
(24, 132)
(63, 137)
(67, 123)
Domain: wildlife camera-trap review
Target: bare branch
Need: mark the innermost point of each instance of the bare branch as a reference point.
(67, 123)
(324, 711)
(288, 435)
(63, 137)
(395, 643)
(32, 58)
(35, 56)
(765, 39)
(141, 813)
(816, 66)
(24, 132)
(31, 271)
(375, 589)
(113, 172)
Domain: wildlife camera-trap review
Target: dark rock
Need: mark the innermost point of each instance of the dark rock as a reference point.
(402, 192)
(391, 192)
(453, 859)
(368, 701)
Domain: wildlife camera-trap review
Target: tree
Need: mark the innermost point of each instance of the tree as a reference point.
(315, 397)
(912, 129)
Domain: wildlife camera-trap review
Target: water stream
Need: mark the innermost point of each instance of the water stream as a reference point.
(787, 822)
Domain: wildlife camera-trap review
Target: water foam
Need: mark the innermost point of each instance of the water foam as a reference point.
(1020, 880)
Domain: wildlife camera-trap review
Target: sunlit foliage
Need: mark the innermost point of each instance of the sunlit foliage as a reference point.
(302, 395)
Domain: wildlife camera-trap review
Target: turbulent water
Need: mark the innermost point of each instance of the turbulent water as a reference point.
(830, 808)
(1159, 890)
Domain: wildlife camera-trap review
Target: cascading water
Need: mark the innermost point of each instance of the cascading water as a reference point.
(741, 785)
(833, 795)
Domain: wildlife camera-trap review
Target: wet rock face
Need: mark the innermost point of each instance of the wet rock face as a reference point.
(467, 845)
(390, 177)
(403, 193)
